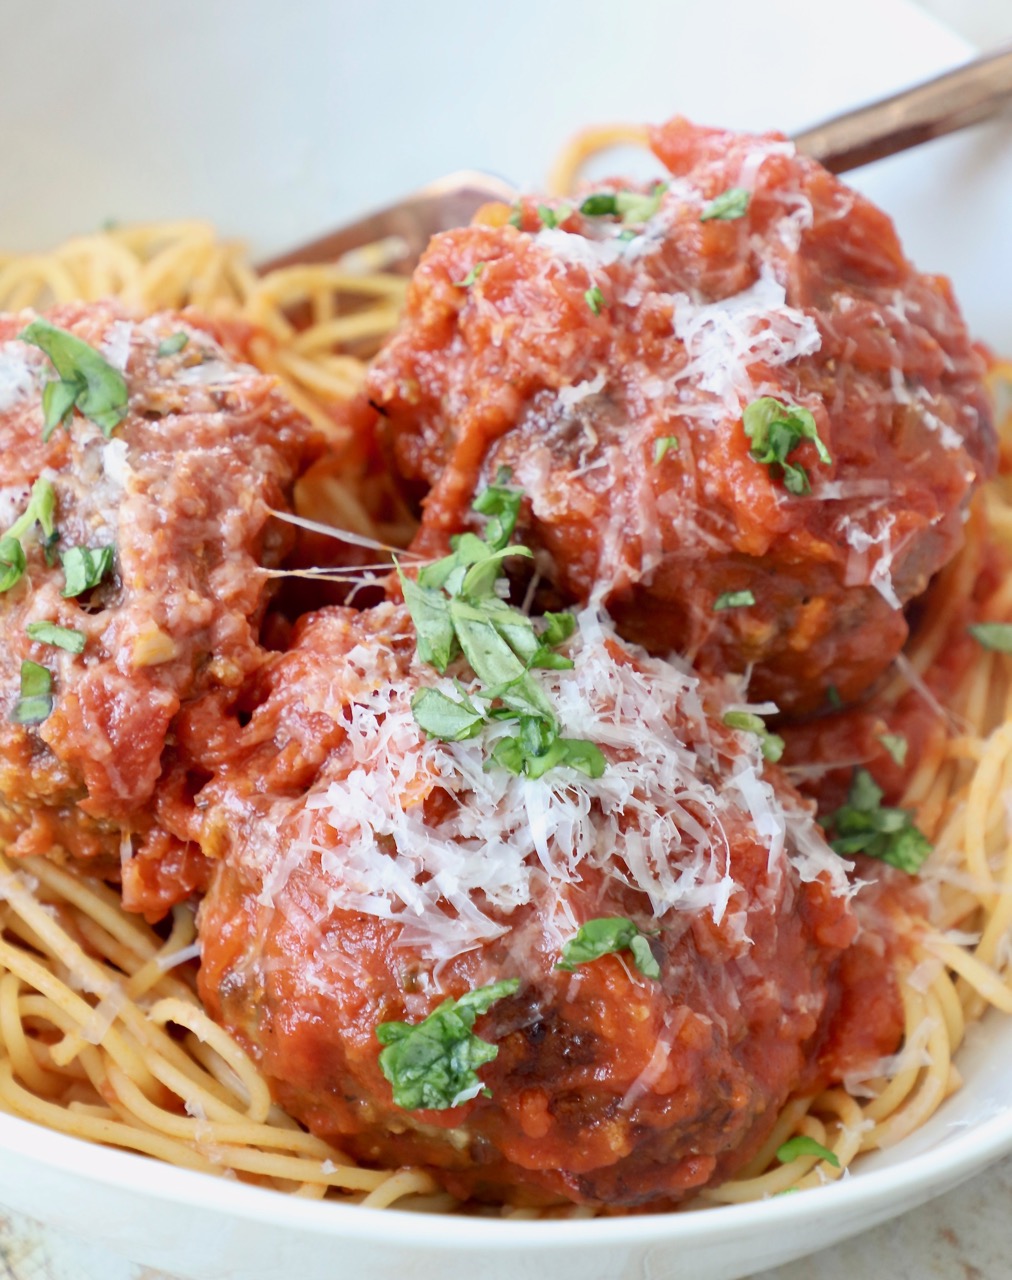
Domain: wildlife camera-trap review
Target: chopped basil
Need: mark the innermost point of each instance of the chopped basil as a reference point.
(457, 610)
(734, 600)
(441, 717)
(833, 698)
(600, 204)
(500, 502)
(172, 346)
(36, 701)
(433, 1064)
(630, 206)
(538, 748)
(516, 218)
(60, 637)
(552, 218)
(729, 205)
(777, 429)
(664, 445)
(41, 510)
(84, 568)
(86, 380)
(594, 299)
(896, 745)
(993, 635)
(771, 744)
(605, 935)
(865, 825)
(12, 562)
(801, 1145)
(471, 276)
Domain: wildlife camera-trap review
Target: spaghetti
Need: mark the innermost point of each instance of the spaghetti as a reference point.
(101, 1033)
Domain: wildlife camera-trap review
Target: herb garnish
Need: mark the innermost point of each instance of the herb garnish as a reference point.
(630, 206)
(86, 381)
(172, 346)
(865, 825)
(594, 299)
(456, 610)
(664, 445)
(734, 600)
(605, 935)
(996, 636)
(433, 1064)
(12, 562)
(802, 1145)
(896, 745)
(41, 510)
(60, 637)
(771, 744)
(36, 701)
(552, 218)
(84, 568)
(777, 429)
(729, 205)
(471, 276)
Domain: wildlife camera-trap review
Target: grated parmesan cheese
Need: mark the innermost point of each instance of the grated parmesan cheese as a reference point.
(655, 820)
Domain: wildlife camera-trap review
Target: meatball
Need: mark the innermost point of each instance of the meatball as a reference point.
(369, 874)
(736, 387)
(143, 529)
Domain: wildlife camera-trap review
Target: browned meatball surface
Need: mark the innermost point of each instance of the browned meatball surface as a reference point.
(170, 506)
(369, 873)
(609, 353)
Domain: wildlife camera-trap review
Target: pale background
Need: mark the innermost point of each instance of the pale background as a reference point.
(965, 1236)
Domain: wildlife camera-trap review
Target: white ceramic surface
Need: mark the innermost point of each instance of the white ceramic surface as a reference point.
(278, 121)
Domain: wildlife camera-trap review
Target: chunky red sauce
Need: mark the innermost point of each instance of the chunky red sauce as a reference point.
(806, 298)
(181, 492)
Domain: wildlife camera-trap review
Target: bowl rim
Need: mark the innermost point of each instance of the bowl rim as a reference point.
(913, 1178)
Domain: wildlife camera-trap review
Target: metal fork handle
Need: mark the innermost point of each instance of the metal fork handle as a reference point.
(448, 202)
(951, 101)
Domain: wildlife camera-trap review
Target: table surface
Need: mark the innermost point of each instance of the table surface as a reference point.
(965, 1236)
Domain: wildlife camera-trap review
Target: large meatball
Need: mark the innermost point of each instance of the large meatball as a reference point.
(368, 874)
(151, 575)
(610, 360)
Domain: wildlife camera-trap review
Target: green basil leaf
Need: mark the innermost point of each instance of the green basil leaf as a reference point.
(430, 612)
(865, 825)
(58, 400)
(441, 717)
(604, 936)
(771, 744)
(594, 299)
(41, 510)
(84, 568)
(734, 600)
(12, 562)
(896, 745)
(36, 702)
(500, 503)
(993, 635)
(664, 445)
(558, 628)
(60, 637)
(600, 204)
(433, 1064)
(805, 1146)
(172, 346)
(471, 276)
(777, 429)
(101, 392)
(729, 205)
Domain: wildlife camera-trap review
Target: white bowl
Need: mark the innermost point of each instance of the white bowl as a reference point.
(278, 122)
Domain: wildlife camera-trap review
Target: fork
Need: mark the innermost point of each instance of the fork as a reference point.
(954, 100)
